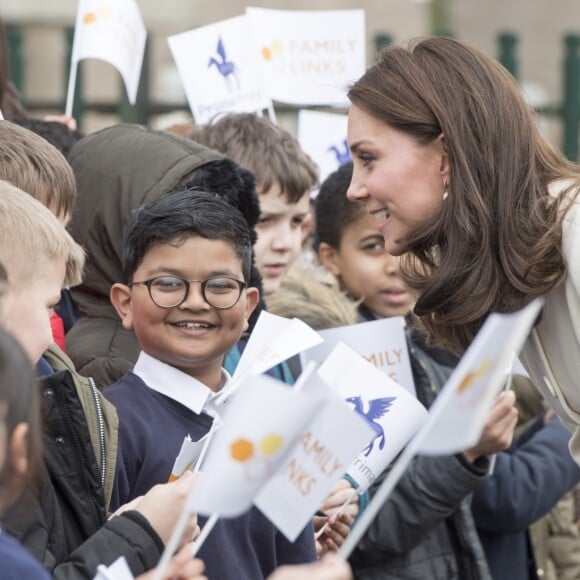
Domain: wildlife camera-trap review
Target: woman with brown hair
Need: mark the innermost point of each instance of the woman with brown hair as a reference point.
(448, 159)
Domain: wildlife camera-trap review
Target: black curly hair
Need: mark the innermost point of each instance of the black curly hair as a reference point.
(238, 186)
(333, 210)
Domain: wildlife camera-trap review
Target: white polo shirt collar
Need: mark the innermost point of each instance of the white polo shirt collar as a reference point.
(176, 384)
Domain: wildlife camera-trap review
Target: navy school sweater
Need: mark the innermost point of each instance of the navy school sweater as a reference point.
(151, 430)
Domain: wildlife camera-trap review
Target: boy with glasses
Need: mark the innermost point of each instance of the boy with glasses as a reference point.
(187, 257)
(118, 169)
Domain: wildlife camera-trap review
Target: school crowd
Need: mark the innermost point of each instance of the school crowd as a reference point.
(135, 263)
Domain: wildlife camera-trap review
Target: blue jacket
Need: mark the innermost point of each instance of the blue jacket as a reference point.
(526, 483)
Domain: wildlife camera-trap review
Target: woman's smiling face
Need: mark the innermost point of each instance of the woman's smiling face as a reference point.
(401, 181)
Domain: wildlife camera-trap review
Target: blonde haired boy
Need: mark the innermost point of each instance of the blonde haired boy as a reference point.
(39, 256)
(32, 164)
(29, 162)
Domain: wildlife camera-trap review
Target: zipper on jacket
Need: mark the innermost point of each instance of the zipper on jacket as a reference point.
(101, 425)
(90, 496)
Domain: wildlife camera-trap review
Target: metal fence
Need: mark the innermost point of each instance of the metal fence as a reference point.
(567, 112)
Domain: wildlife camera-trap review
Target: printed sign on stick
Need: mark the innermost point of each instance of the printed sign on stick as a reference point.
(220, 70)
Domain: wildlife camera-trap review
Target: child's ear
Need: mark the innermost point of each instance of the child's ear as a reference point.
(120, 297)
(18, 447)
(329, 258)
(252, 299)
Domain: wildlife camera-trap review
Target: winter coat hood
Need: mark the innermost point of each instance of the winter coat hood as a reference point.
(124, 166)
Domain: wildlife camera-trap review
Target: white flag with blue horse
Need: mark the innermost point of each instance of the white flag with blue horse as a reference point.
(220, 69)
(389, 409)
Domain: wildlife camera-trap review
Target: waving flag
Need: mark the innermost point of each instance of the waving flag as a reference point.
(392, 413)
(325, 450)
(112, 31)
(323, 137)
(381, 342)
(261, 424)
(309, 57)
(274, 339)
(118, 570)
(457, 417)
(219, 69)
(187, 456)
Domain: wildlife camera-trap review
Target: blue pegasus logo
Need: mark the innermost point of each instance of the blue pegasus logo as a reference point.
(225, 67)
(377, 408)
(342, 152)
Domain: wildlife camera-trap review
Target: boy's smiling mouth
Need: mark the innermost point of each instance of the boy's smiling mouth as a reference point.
(192, 325)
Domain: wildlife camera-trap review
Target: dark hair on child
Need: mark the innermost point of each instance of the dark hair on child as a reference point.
(234, 184)
(57, 134)
(182, 214)
(333, 210)
(18, 404)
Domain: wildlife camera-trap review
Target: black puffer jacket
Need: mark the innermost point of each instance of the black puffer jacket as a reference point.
(425, 529)
(64, 521)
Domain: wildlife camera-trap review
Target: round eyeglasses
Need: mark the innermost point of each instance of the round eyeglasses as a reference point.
(221, 292)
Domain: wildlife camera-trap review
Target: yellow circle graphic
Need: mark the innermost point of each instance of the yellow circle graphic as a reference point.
(271, 443)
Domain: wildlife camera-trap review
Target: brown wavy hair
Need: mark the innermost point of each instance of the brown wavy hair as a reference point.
(497, 243)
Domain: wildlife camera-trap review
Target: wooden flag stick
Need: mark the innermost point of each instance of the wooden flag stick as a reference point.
(172, 543)
(348, 501)
(72, 81)
(209, 526)
(272, 113)
(212, 431)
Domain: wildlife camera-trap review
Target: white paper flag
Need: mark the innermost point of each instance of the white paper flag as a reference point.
(112, 31)
(394, 415)
(118, 570)
(457, 417)
(220, 70)
(274, 339)
(187, 456)
(260, 425)
(381, 342)
(323, 137)
(331, 442)
(309, 57)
